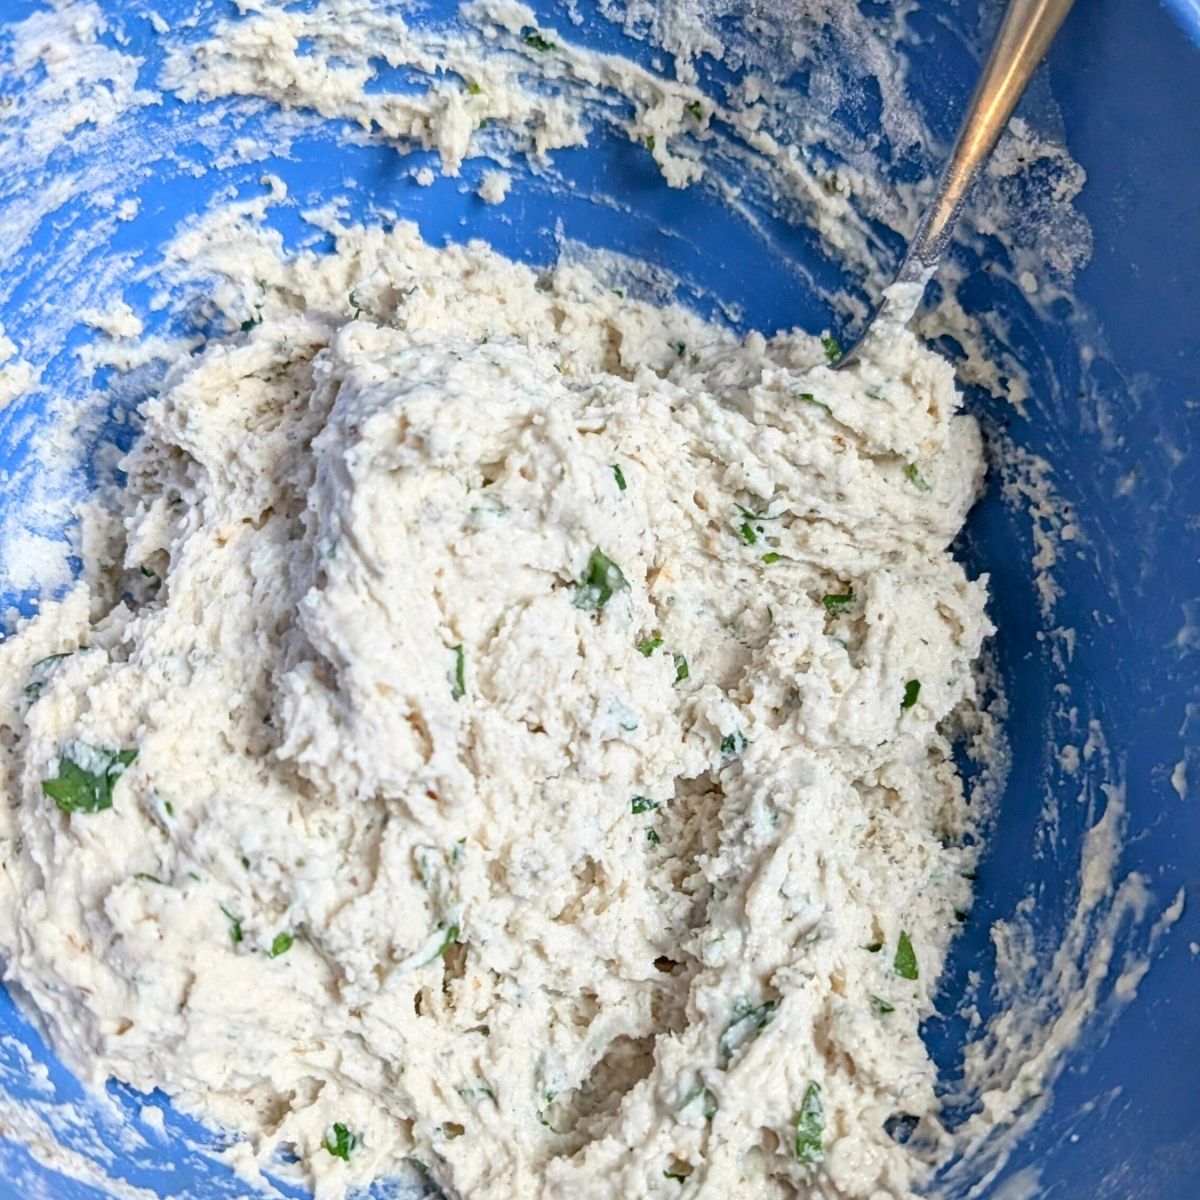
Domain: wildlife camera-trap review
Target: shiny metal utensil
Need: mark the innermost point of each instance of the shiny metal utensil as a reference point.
(1025, 35)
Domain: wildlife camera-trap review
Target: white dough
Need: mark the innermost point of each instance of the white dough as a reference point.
(527, 919)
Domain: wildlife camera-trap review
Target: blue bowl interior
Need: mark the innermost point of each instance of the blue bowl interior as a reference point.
(1126, 78)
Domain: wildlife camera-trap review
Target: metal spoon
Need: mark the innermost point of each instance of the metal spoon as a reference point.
(1025, 35)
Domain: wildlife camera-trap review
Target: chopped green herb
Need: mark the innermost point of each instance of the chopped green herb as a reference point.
(770, 558)
(809, 1126)
(833, 348)
(86, 777)
(619, 476)
(682, 670)
(642, 804)
(489, 510)
(678, 1176)
(837, 602)
(145, 877)
(449, 938)
(912, 689)
(873, 947)
(649, 646)
(681, 348)
(282, 944)
(340, 1142)
(473, 89)
(905, 961)
(235, 926)
(652, 837)
(40, 672)
(600, 580)
(650, 143)
(541, 1116)
(753, 516)
(250, 322)
(809, 398)
(245, 862)
(733, 743)
(535, 41)
(710, 1101)
(881, 1006)
(459, 688)
(748, 534)
(748, 1022)
(914, 476)
(168, 808)
(417, 1165)
(696, 109)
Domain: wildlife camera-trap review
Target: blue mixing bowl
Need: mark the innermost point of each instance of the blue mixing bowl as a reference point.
(1114, 373)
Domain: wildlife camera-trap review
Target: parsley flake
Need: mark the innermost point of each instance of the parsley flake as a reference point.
(86, 777)
(912, 689)
(340, 1142)
(809, 398)
(905, 961)
(913, 474)
(642, 804)
(600, 580)
(697, 1093)
(770, 558)
(449, 938)
(682, 670)
(282, 944)
(649, 646)
(809, 1126)
(619, 476)
(748, 534)
(881, 1006)
(534, 40)
(837, 602)
(733, 743)
(41, 671)
(833, 348)
(459, 687)
(235, 925)
(748, 1022)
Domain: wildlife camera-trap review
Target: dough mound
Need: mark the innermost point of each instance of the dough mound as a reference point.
(498, 729)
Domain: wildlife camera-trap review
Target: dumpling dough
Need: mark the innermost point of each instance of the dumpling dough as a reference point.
(536, 699)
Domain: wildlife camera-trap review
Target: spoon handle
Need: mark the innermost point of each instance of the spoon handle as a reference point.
(1025, 34)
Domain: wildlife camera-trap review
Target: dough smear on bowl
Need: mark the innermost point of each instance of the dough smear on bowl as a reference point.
(500, 726)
